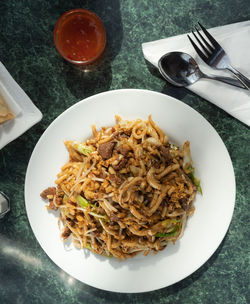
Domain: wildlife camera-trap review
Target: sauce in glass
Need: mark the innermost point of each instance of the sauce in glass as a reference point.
(80, 36)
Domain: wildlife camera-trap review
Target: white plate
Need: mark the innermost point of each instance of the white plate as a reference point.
(26, 113)
(205, 229)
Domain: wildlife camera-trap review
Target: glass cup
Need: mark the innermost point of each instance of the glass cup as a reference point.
(80, 37)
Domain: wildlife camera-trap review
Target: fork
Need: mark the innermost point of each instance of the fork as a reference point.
(214, 55)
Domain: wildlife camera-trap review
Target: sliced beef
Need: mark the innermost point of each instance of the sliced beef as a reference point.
(66, 233)
(184, 203)
(102, 174)
(106, 149)
(51, 205)
(115, 179)
(124, 135)
(122, 163)
(113, 217)
(115, 134)
(124, 150)
(165, 153)
(155, 163)
(96, 233)
(48, 191)
(59, 200)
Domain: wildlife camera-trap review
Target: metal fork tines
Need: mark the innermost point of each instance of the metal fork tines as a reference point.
(213, 54)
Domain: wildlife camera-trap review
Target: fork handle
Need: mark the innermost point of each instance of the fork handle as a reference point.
(243, 79)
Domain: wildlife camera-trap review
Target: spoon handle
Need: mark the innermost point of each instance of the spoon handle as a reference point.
(228, 80)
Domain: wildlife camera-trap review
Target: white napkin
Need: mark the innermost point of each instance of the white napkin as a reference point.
(235, 39)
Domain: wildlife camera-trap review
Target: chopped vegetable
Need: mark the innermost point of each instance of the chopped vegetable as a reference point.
(88, 246)
(174, 147)
(195, 180)
(104, 217)
(83, 202)
(108, 256)
(166, 224)
(171, 233)
(81, 148)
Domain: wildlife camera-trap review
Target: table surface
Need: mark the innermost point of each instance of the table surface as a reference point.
(28, 52)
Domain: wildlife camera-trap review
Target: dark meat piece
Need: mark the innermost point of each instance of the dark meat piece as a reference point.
(124, 150)
(106, 149)
(96, 233)
(170, 207)
(124, 135)
(184, 203)
(155, 163)
(165, 153)
(115, 134)
(122, 163)
(51, 205)
(59, 200)
(115, 179)
(66, 233)
(70, 221)
(48, 191)
(102, 175)
(113, 217)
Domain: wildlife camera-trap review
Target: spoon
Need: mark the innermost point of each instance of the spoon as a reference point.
(181, 70)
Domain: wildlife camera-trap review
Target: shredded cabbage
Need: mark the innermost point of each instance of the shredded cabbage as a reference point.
(81, 148)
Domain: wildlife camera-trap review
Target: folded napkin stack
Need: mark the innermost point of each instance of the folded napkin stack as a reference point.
(235, 39)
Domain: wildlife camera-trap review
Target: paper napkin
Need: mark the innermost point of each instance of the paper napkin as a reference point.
(235, 39)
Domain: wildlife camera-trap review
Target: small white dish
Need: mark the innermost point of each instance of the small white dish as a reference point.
(205, 228)
(26, 113)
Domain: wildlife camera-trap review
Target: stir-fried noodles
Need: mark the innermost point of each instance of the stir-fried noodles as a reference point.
(125, 190)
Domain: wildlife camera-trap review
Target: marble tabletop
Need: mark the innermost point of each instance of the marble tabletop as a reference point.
(27, 275)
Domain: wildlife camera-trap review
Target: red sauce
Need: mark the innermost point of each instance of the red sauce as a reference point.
(80, 36)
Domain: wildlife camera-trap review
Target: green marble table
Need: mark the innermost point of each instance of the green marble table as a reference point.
(27, 51)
